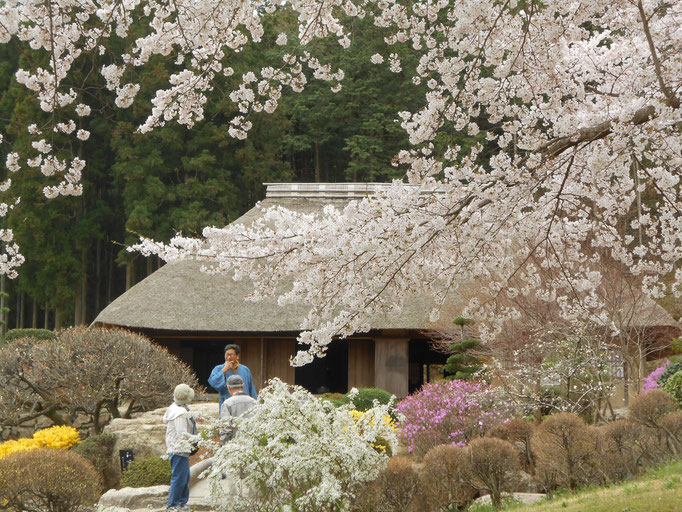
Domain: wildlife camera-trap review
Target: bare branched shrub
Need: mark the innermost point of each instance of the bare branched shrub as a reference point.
(564, 450)
(622, 453)
(398, 485)
(445, 478)
(493, 463)
(96, 374)
(518, 432)
(47, 480)
(650, 408)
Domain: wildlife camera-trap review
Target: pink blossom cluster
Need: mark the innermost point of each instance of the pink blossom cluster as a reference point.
(453, 411)
(651, 381)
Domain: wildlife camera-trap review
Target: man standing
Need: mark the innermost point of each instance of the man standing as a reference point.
(220, 374)
(239, 403)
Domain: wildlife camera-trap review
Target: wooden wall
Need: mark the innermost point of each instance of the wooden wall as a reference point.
(360, 363)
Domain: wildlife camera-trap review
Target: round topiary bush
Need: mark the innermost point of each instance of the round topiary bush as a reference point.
(674, 386)
(147, 472)
(364, 398)
(445, 478)
(98, 449)
(36, 334)
(564, 450)
(670, 370)
(47, 480)
(649, 408)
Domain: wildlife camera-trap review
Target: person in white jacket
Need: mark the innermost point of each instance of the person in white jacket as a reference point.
(179, 422)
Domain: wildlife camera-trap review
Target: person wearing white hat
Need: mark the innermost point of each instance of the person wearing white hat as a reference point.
(179, 422)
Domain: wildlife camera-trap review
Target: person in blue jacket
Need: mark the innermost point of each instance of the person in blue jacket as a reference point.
(219, 375)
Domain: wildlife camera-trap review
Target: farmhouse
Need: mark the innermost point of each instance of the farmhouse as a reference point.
(193, 314)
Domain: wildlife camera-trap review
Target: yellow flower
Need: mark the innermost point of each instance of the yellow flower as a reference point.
(59, 437)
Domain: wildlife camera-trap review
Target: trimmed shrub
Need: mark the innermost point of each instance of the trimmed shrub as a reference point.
(452, 411)
(147, 472)
(92, 375)
(47, 480)
(649, 408)
(335, 398)
(37, 334)
(564, 450)
(398, 485)
(674, 386)
(622, 449)
(98, 449)
(671, 424)
(670, 370)
(493, 463)
(364, 398)
(518, 432)
(445, 478)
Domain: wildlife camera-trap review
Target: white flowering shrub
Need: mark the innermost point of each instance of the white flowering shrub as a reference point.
(296, 452)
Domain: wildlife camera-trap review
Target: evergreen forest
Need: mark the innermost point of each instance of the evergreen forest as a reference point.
(176, 179)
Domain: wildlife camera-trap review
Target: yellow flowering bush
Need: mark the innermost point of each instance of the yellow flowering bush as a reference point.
(380, 443)
(59, 437)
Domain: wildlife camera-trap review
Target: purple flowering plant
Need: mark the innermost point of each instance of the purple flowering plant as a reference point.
(651, 381)
(449, 412)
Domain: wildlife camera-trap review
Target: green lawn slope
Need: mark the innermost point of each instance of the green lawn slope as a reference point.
(658, 490)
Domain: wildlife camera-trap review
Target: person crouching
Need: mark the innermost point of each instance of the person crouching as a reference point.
(179, 421)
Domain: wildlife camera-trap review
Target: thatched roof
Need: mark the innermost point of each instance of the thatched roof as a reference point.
(180, 297)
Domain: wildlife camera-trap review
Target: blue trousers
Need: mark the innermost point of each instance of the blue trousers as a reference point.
(178, 494)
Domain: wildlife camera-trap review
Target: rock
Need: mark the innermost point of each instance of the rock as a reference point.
(135, 498)
(527, 498)
(522, 482)
(145, 434)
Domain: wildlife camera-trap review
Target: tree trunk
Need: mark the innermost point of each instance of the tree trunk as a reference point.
(626, 384)
(98, 274)
(318, 171)
(80, 306)
(3, 306)
(47, 317)
(130, 274)
(58, 314)
(22, 303)
(34, 315)
(150, 265)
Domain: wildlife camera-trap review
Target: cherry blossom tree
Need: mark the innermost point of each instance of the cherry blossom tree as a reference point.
(581, 99)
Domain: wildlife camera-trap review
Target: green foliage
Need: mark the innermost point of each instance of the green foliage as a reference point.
(673, 385)
(337, 399)
(98, 449)
(364, 399)
(38, 334)
(460, 364)
(47, 480)
(147, 472)
(670, 370)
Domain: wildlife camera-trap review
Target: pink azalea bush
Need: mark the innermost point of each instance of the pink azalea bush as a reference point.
(449, 412)
(651, 381)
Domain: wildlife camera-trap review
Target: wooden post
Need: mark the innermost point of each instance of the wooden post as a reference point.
(391, 365)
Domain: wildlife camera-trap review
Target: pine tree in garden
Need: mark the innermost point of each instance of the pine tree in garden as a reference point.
(461, 364)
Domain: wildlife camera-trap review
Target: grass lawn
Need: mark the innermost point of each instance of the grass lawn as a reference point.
(658, 490)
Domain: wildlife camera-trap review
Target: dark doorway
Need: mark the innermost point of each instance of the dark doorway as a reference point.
(207, 354)
(425, 364)
(328, 374)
